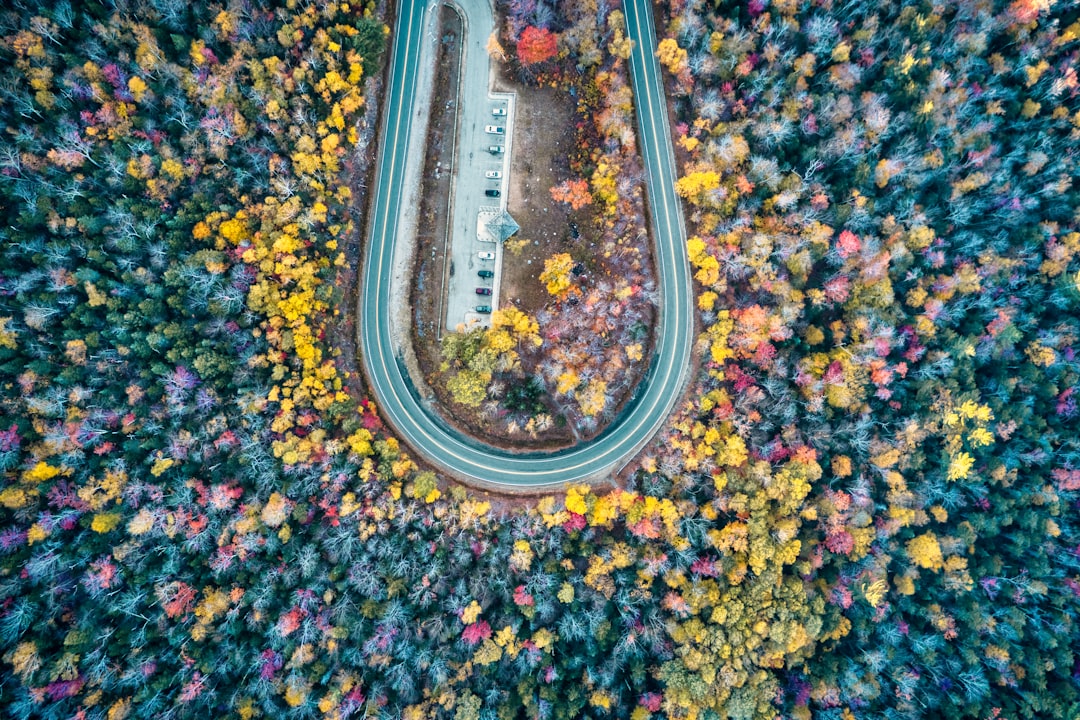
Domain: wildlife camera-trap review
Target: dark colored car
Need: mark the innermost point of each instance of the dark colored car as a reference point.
(485, 273)
(483, 308)
(492, 193)
(483, 291)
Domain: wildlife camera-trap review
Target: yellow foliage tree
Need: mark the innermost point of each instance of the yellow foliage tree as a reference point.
(593, 398)
(925, 551)
(566, 382)
(469, 387)
(695, 185)
(556, 274)
(518, 323)
(671, 56)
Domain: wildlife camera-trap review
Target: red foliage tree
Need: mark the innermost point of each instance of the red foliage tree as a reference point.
(476, 633)
(536, 45)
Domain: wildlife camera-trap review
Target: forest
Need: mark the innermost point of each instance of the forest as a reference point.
(867, 506)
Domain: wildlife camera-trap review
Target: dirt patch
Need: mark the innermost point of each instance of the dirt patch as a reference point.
(543, 139)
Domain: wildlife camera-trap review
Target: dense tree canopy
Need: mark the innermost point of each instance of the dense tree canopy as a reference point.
(867, 507)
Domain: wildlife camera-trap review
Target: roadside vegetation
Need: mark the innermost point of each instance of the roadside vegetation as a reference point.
(426, 292)
(867, 509)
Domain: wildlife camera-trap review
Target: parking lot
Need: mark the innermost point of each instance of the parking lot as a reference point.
(478, 196)
(478, 192)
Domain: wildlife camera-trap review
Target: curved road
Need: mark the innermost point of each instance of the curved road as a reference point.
(414, 419)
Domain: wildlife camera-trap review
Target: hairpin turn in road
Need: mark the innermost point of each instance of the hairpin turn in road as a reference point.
(413, 419)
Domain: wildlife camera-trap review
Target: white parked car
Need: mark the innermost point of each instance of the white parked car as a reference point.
(498, 112)
(493, 174)
(494, 130)
(485, 255)
(495, 149)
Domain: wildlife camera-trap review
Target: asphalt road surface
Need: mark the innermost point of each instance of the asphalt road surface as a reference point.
(413, 418)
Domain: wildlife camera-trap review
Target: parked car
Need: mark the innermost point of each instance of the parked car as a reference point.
(485, 273)
(495, 149)
(483, 308)
(485, 255)
(483, 291)
(494, 130)
(493, 174)
(499, 112)
(492, 193)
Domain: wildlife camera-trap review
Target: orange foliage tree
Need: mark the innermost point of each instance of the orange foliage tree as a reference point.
(574, 192)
